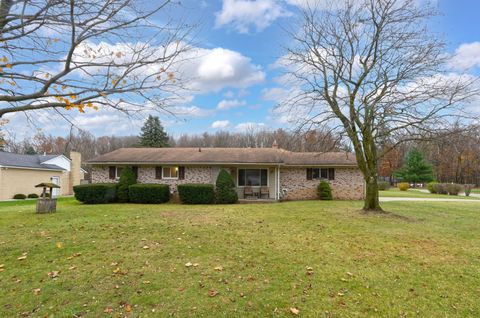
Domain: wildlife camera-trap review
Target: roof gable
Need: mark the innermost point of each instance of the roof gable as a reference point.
(9, 159)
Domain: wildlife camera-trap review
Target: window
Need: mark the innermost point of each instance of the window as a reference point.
(170, 172)
(320, 173)
(118, 172)
(252, 177)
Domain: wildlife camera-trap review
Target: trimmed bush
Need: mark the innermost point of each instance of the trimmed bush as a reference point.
(468, 189)
(324, 191)
(127, 178)
(383, 185)
(453, 188)
(440, 188)
(403, 186)
(225, 188)
(32, 196)
(96, 193)
(196, 193)
(430, 187)
(20, 196)
(149, 193)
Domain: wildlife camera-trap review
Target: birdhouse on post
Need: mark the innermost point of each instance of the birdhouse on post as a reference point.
(46, 203)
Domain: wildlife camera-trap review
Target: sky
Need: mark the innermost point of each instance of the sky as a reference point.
(238, 82)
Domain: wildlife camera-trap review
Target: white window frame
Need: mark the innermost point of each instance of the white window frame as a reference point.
(320, 173)
(170, 167)
(117, 174)
(238, 177)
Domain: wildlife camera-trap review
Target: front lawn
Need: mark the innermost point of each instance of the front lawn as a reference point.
(415, 193)
(324, 259)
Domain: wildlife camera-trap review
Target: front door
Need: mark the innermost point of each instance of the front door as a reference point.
(56, 191)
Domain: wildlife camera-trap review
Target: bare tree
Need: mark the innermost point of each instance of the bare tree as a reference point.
(371, 70)
(79, 54)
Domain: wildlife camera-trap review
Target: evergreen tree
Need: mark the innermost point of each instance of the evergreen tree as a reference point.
(127, 178)
(225, 188)
(153, 134)
(30, 151)
(415, 169)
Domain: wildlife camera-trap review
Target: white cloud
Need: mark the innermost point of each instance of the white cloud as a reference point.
(190, 111)
(230, 103)
(248, 126)
(220, 124)
(214, 69)
(242, 14)
(466, 56)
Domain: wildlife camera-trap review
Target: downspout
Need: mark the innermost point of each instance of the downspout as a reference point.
(278, 182)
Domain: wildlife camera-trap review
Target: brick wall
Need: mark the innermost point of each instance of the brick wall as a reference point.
(348, 184)
(146, 174)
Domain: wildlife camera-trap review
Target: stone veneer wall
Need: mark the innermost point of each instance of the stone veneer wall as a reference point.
(146, 174)
(348, 184)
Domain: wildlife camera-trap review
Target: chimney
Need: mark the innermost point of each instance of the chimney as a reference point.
(275, 145)
(76, 175)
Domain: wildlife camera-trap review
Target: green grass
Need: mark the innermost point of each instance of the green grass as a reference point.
(415, 193)
(423, 264)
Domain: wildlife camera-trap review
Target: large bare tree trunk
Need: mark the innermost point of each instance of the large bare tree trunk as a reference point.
(372, 202)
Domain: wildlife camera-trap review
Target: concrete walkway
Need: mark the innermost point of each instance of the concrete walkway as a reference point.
(388, 199)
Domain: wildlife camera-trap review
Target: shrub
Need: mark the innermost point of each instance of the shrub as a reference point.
(383, 185)
(468, 189)
(453, 188)
(32, 196)
(324, 191)
(20, 196)
(196, 193)
(430, 187)
(440, 188)
(225, 188)
(403, 186)
(149, 193)
(127, 178)
(96, 193)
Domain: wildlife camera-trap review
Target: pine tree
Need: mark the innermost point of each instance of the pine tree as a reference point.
(153, 134)
(30, 151)
(415, 169)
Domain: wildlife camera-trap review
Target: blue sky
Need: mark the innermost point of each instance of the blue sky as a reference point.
(243, 39)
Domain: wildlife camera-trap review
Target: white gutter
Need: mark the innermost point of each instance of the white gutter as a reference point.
(30, 168)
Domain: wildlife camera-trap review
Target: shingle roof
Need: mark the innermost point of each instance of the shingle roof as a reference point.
(224, 155)
(9, 159)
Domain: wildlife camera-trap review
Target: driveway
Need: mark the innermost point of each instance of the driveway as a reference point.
(388, 199)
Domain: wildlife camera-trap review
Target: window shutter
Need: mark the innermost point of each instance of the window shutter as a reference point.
(111, 172)
(309, 173)
(158, 172)
(331, 174)
(181, 173)
(135, 171)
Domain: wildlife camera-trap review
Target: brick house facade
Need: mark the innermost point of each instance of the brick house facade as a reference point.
(286, 175)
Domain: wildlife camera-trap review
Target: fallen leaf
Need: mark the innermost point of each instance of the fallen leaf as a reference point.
(108, 310)
(188, 264)
(146, 282)
(219, 268)
(72, 267)
(146, 247)
(195, 264)
(128, 308)
(59, 244)
(212, 293)
(53, 274)
(36, 291)
(2, 265)
(21, 258)
(294, 310)
(114, 264)
(349, 274)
